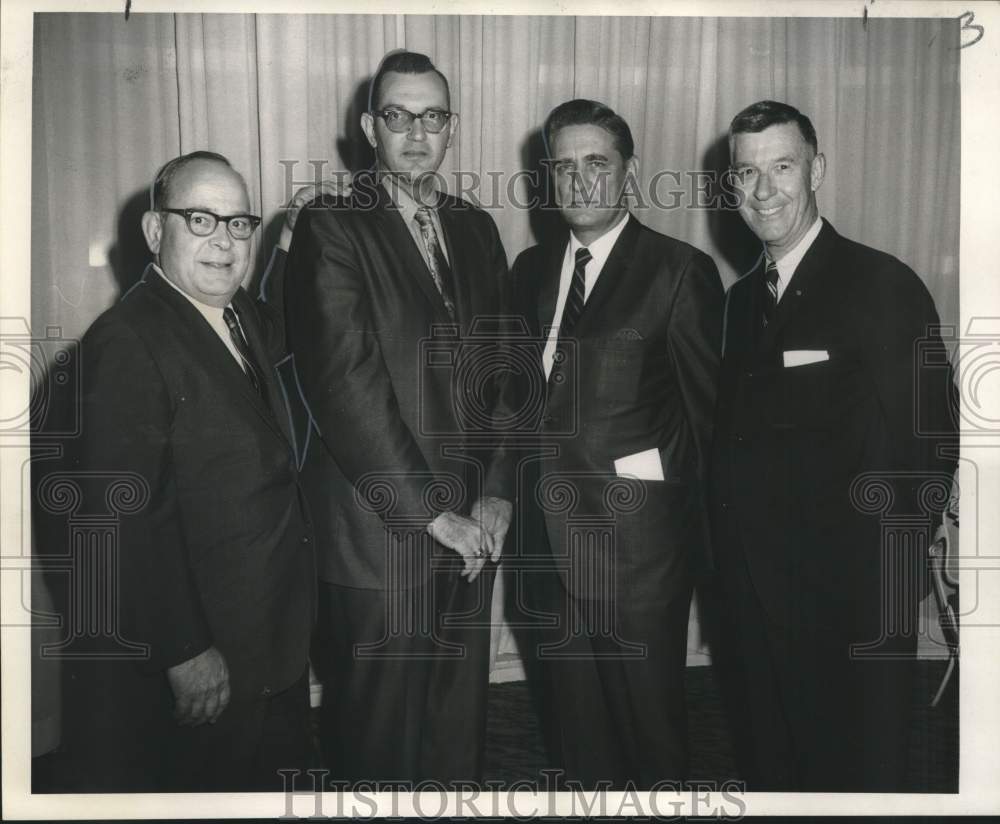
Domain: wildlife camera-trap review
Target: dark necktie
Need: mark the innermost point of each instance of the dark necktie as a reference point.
(574, 305)
(771, 295)
(249, 362)
(440, 270)
(577, 293)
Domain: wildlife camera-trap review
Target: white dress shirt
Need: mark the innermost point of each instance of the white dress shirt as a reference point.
(213, 314)
(790, 262)
(599, 250)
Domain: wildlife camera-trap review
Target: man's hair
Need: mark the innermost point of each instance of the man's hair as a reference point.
(589, 113)
(159, 194)
(765, 113)
(402, 62)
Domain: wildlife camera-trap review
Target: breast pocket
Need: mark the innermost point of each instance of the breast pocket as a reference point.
(813, 396)
(611, 369)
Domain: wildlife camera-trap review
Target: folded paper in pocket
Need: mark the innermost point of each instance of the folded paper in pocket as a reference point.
(802, 357)
(645, 465)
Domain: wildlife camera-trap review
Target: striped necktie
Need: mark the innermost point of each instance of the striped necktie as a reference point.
(577, 293)
(771, 296)
(251, 368)
(573, 308)
(437, 263)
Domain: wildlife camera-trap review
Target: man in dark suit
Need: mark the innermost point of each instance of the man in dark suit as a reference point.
(825, 386)
(182, 421)
(614, 507)
(383, 292)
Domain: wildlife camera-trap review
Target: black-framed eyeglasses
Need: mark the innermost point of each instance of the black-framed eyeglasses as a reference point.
(400, 120)
(202, 222)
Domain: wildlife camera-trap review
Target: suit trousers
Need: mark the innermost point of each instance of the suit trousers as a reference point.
(121, 736)
(405, 678)
(612, 684)
(806, 715)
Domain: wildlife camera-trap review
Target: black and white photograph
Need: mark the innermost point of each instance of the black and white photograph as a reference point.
(421, 410)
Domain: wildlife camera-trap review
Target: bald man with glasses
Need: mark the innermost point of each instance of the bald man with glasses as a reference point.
(215, 566)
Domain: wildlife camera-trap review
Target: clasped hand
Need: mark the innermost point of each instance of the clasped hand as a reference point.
(201, 688)
(478, 537)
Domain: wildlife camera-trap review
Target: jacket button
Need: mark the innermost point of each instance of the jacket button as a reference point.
(305, 539)
(266, 692)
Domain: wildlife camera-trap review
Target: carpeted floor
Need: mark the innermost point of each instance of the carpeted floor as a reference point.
(515, 752)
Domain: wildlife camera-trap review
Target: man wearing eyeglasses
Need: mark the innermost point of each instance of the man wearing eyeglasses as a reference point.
(383, 287)
(216, 568)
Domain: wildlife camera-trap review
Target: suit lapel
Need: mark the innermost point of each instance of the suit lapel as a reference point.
(391, 224)
(463, 258)
(548, 284)
(254, 335)
(210, 349)
(806, 278)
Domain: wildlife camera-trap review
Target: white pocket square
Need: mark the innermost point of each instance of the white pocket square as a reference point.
(645, 466)
(801, 357)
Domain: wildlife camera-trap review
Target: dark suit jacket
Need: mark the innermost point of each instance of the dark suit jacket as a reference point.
(790, 442)
(641, 376)
(222, 552)
(394, 389)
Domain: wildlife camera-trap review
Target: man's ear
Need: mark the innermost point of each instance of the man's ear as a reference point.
(152, 229)
(817, 171)
(368, 127)
(632, 166)
(452, 128)
(630, 186)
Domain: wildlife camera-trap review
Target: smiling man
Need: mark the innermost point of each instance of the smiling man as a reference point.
(631, 320)
(821, 389)
(411, 502)
(214, 553)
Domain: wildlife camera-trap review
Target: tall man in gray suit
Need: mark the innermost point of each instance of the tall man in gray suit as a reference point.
(383, 289)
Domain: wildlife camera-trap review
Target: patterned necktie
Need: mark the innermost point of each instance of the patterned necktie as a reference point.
(771, 296)
(577, 293)
(573, 308)
(440, 270)
(250, 364)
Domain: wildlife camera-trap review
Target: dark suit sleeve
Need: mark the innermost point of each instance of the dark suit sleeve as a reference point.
(340, 364)
(909, 366)
(126, 432)
(694, 343)
(499, 481)
(271, 303)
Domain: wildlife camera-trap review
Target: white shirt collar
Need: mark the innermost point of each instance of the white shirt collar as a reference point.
(599, 249)
(790, 262)
(210, 312)
(213, 316)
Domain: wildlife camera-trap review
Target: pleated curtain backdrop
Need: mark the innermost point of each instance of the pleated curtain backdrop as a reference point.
(281, 95)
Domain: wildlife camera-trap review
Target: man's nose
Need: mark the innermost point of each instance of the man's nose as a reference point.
(221, 237)
(764, 187)
(417, 130)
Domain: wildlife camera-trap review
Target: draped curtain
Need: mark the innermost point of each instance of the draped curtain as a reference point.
(281, 96)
